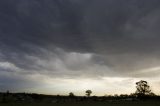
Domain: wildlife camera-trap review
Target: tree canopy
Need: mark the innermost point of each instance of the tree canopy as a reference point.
(143, 88)
(88, 92)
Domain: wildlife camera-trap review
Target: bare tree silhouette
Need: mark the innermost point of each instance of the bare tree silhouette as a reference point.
(142, 88)
(88, 92)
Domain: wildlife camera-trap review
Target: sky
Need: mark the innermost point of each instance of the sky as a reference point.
(61, 46)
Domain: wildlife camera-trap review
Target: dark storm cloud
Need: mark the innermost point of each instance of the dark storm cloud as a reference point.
(117, 35)
(79, 25)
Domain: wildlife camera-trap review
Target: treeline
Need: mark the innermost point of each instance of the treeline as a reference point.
(27, 97)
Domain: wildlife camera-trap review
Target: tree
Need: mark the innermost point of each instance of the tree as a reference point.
(142, 88)
(88, 92)
(71, 94)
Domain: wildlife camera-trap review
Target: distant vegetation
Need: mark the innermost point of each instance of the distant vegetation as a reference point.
(88, 93)
(142, 93)
(143, 88)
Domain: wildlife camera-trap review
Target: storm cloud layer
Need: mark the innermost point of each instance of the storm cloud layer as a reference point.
(77, 39)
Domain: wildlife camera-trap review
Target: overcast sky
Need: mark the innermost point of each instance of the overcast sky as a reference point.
(59, 46)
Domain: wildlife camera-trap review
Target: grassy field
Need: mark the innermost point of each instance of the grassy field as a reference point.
(120, 103)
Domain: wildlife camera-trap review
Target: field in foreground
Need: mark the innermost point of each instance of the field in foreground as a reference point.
(118, 103)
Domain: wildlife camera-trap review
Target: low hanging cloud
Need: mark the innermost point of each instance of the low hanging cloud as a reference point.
(60, 63)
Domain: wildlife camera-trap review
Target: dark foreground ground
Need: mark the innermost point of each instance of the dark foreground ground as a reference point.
(117, 103)
(26, 99)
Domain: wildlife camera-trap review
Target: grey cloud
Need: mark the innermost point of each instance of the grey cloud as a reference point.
(12, 79)
(121, 35)
(80, 26)
(70, 64)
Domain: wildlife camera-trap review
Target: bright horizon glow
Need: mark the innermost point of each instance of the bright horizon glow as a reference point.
(99, 87)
